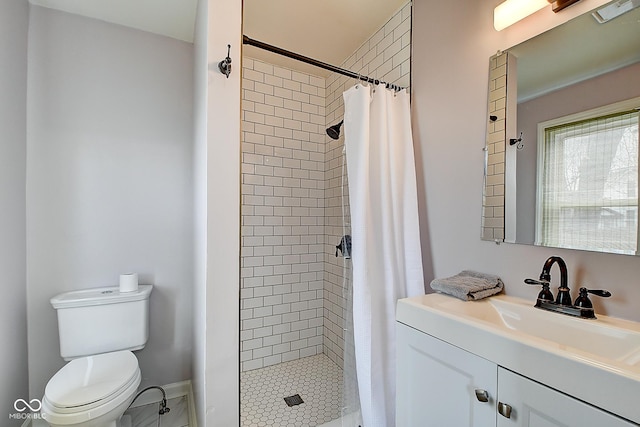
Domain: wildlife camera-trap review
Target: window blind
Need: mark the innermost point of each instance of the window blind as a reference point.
(589, 195)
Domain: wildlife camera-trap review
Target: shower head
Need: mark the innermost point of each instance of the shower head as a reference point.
(334, 131)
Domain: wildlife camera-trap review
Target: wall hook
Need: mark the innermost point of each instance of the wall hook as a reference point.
(225, 64)
(518, 141)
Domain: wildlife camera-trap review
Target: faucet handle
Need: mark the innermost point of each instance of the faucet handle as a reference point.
(545, 294)
(598, 292)
(583, 299)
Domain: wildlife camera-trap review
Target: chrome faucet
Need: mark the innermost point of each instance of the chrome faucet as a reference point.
(562, 304)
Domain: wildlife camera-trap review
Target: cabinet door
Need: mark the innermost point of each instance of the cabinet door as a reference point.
(437, 383)
(535, 405)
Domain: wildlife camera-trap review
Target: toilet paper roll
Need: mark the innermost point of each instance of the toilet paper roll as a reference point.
(129, 282)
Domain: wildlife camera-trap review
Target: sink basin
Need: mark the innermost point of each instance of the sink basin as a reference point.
(596, 360)
(601, 337)
(606, 337)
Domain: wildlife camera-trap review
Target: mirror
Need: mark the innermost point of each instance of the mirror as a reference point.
(571, 74)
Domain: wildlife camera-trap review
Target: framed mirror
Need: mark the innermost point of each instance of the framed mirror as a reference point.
(561, 163)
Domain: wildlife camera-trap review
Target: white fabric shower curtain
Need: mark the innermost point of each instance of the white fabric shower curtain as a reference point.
(386, 254)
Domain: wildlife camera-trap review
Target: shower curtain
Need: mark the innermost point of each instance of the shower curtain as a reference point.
(386, 254)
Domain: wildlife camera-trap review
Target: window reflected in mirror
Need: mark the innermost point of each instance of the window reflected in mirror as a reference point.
(588, 180)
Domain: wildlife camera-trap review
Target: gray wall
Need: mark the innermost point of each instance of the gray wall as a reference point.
(449, 103)
(599, 91)
(13, 320)
(109, 181)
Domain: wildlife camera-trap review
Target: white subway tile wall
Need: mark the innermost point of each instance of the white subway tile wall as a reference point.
(292, 302)
(283, 116)
(385, 56)
(493, 195)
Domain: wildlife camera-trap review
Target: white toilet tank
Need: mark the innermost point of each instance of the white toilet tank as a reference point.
(102, 320)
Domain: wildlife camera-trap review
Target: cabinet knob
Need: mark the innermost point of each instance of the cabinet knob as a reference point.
(482, 395)
(504, 410)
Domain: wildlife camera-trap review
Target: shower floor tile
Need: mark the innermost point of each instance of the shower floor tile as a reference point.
(316, 379)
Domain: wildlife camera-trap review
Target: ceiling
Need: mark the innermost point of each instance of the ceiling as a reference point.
(326, 30)
(575, 51)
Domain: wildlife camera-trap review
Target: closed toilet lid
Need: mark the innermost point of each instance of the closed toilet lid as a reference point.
(90, 379)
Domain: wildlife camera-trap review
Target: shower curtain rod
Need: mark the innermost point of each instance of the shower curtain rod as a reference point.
(315, 62)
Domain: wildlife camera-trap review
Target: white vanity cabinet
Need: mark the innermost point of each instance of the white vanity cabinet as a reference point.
(535, 405)
(439, 384)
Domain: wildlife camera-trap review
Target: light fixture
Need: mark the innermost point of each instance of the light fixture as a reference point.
(558, 5)
(511, 11)
(615, 9)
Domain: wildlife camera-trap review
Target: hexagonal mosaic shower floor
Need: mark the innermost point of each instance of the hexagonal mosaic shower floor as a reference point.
(316, 379)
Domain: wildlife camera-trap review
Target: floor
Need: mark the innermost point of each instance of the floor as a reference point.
(147, 415)
(317, 380)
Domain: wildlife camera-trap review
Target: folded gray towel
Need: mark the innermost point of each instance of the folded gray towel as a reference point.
(469, 285)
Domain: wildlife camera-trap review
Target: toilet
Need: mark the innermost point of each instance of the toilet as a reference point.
(98, 330)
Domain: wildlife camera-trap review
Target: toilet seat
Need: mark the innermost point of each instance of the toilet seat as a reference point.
(91, 386)
(85, 382)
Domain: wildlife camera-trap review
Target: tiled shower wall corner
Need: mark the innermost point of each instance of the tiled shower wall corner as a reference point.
(385, 56)
(493, 195)
(283, 144)
(292, 302)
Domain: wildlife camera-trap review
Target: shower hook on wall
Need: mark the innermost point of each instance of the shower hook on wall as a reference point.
(225, 64)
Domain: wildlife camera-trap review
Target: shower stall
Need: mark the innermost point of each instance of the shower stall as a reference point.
(296, 340)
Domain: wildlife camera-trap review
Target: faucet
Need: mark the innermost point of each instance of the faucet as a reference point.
(562, 304)
(564, 297)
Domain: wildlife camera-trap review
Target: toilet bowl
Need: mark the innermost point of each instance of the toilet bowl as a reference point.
(92, 391)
